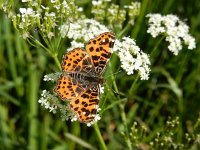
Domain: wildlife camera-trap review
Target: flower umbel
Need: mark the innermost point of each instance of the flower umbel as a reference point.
(132, 58)
(175, 30)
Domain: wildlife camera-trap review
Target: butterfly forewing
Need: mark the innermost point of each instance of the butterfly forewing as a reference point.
(76, 60)
(99, 50)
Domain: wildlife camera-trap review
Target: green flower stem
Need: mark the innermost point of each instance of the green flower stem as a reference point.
(123, 116)
(133, 86)
(139, 22)
(54, 55)
(102, 143)
(154, 52)
(128, 26)
(33, 107)
(57, 61)
(37, 43)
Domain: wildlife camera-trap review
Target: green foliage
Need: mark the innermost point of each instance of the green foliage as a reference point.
(160, 113)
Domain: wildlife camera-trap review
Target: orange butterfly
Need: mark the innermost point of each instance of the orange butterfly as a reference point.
(82, 76)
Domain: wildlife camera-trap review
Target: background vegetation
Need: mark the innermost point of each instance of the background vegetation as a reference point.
(160, 113)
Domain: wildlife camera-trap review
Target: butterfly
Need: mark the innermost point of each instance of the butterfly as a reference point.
(81, 76)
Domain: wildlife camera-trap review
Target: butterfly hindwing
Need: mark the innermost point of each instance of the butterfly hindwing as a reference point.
(68, 88)
(85, 105)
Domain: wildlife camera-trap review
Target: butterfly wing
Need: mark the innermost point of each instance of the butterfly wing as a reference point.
(99, 49)
(76, 60)
(86, 104)
(73, 62)
(68, 88)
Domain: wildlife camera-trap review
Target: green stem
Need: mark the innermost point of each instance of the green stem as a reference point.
(33, 108)
(38, 43)
(133, 85)
(57, 61)
(102, 143)
(140, 20)
(123, 116)
(124, 30)
(153, 52)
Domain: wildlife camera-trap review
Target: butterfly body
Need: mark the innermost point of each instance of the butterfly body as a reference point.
(82, 76)
(86, 79)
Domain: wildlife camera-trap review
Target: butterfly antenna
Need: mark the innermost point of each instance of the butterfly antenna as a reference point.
(113, 74)
(115, 92)
(110, 88)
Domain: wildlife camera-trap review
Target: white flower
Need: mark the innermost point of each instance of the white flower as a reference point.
(82, 29)
(49, 101)
(80, 9)
(173, 28)
(96, 3)
(53, 1)
(50, 35)
(101, 89)
(190, 41)
(96, 118)
(74, 118)
(23, 1)
(51, 77)
(75, 44)
(53, 108)
(132, 58)
(25, 11)
(25, 35)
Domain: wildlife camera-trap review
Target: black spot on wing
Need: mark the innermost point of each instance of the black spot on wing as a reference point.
(91, 49)
(95, 57)
(106, 55)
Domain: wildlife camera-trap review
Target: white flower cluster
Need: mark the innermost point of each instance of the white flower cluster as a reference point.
(176, 31)
(49, 101)
(43, 18)
(82, 29)
(28, 18)
(99, 2)
(75, 44)
(51, 77)
(133, 11)
(132, 58)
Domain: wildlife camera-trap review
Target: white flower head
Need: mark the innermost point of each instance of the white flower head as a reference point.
(52, 77)
(176, 31)
(74, 118)
(82, 29)
(97, 3)
(54, 1)
(25, 11)
(96, 118)
(49, 101)
(132, 58)
(102, 89)
(23, 1)
(75, 44)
